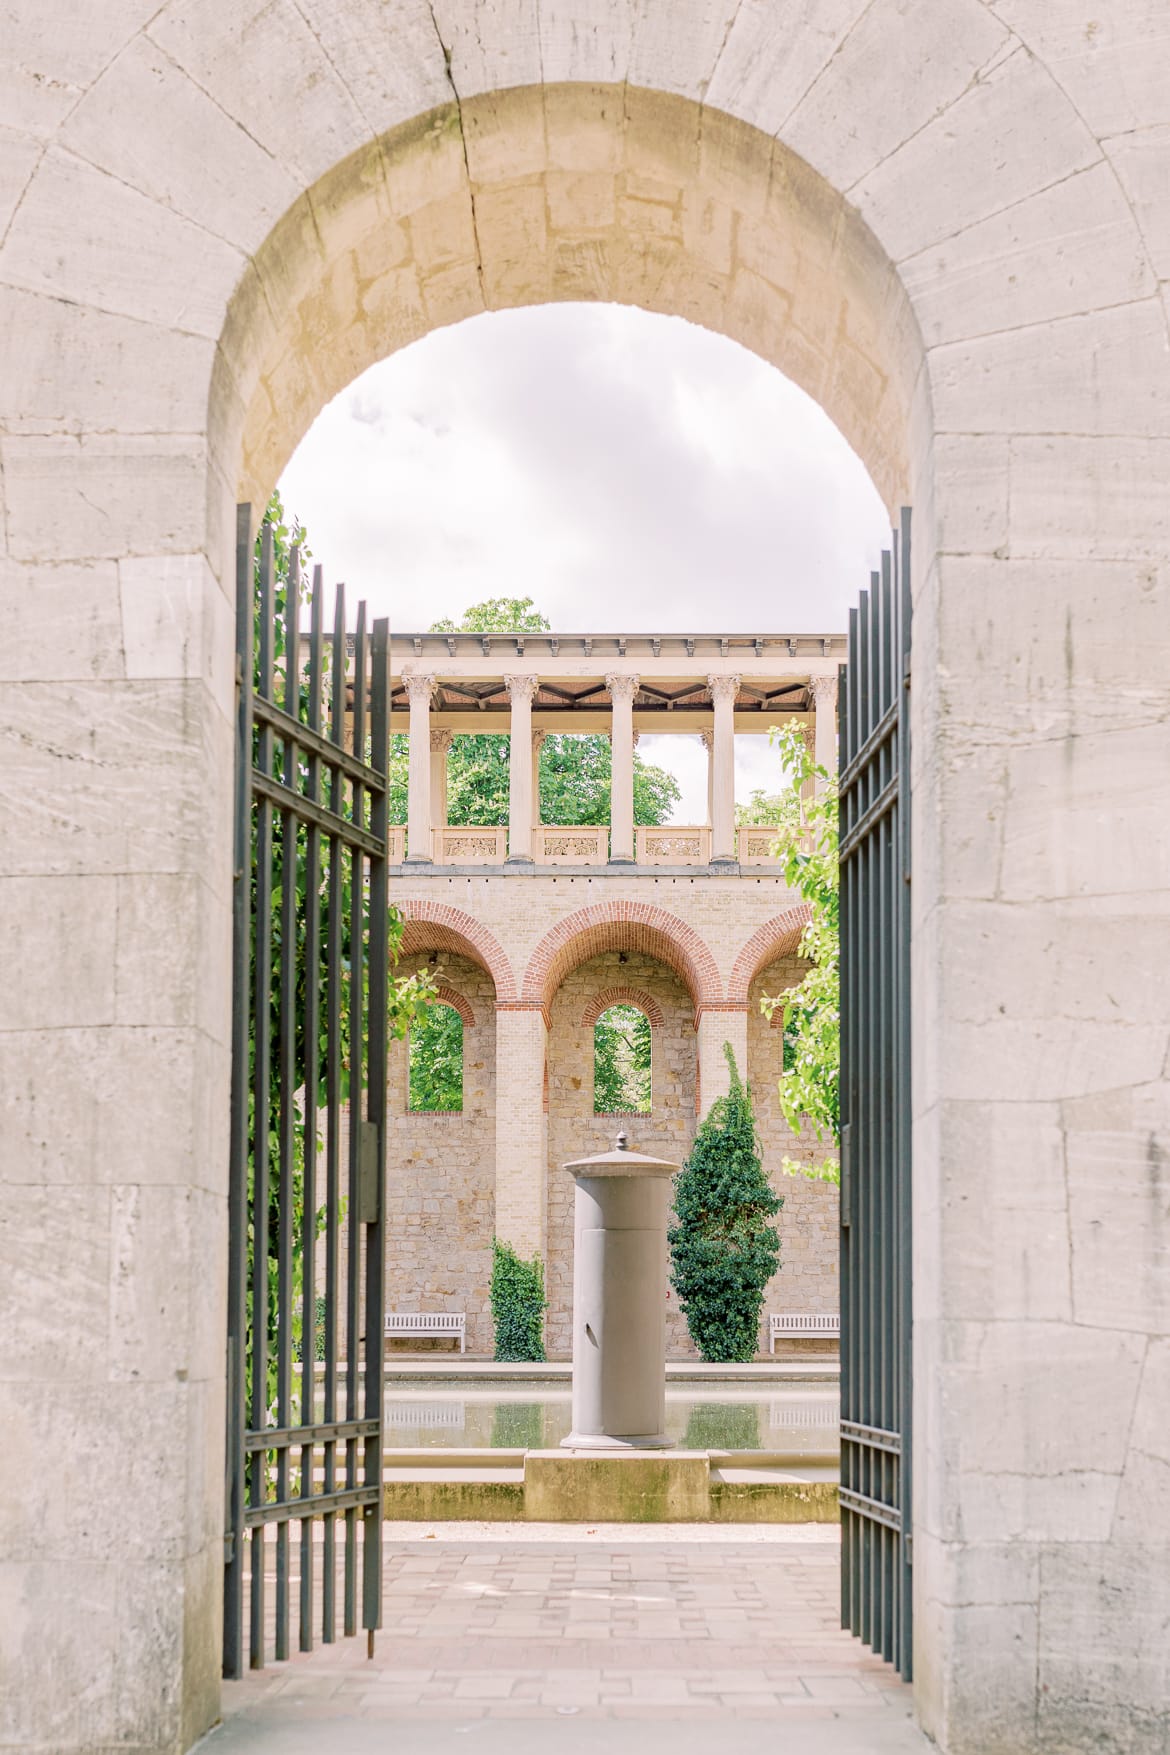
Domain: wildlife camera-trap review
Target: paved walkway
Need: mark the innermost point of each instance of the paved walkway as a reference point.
(632, 1638)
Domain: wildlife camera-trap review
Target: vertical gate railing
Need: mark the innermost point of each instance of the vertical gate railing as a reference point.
(875, 1113)
(307, 1195)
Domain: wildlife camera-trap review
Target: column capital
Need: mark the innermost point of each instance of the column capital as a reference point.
(622, 686)
(419, 687)
(808, 736)
(823, 690)
(521, 688)
(708, 738)
(441, 741)
(539, 734)
(723, 689)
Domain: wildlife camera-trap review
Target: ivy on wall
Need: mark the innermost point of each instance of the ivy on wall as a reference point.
(518, 1304)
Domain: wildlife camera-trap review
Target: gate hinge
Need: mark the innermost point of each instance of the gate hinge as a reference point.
(229, 1547)
(908, 1548)
(369, 1172)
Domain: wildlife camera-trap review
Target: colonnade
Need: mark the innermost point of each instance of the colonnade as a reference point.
(430, 745)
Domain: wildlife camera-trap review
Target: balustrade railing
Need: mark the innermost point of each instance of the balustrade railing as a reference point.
(673, 844)
(470, 846)
(667, 844)
(576, 846)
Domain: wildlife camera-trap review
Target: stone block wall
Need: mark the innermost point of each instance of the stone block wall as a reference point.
(441, 1169)
(576, 1132)
(808, 1277)
(440, 1175)
(807, 1280)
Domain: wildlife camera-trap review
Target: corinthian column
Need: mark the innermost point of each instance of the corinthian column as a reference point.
(419, 690)
(723, 692)
(622, 689)
(538, 738)
(708, 740)
(520, 692)
(441, 742)
(823, 690)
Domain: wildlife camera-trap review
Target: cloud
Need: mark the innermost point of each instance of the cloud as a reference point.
(624, 469)
(630, 472)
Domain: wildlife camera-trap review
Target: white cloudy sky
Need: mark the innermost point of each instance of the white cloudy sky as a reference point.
(629, 472)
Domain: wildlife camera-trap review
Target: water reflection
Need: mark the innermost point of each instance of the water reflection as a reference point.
(538, 1415)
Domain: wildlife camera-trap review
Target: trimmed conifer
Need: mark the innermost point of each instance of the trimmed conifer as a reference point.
(723, 1248)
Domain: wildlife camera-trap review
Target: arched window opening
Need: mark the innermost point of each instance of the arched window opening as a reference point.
(436, 1062)
(622, 1056)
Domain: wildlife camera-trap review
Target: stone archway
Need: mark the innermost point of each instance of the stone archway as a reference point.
(776, 938)
(623, 926)
(1010, 175)
(436, 926)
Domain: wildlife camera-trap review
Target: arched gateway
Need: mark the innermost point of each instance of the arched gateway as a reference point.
(945, 222)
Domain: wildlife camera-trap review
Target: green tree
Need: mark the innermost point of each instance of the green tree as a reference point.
(496, 615)
(518, 1305)
(574, 769)
(779, 808)
(621, 1062)
(723, 1247)
(436, 1062)
(811, 1080)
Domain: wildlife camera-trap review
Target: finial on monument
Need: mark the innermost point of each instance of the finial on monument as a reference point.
(622, 1143)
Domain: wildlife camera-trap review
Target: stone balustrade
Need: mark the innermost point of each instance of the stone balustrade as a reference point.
(666, 844)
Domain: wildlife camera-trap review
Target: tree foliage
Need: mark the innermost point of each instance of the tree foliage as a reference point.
(518, 1304)
(723, 1247)
(574, 769)
(807, 844)
(621, 1062)
(496, 615)
(436, 1062)
(409, 996)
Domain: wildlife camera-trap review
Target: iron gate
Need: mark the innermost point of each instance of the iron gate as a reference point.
(306, 1201)
(875, 1113)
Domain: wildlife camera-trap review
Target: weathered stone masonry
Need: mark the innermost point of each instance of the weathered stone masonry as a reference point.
(948, 223)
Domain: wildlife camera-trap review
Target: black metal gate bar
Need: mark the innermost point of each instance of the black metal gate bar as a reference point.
(875, 1113)
(306, 950)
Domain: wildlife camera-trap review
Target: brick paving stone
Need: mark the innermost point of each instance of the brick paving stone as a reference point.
(681, 1629)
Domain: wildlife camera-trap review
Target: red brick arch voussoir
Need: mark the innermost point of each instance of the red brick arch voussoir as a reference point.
(610, 996)
(435, 926)
(448, 996)
(778, 937)
(622, 926)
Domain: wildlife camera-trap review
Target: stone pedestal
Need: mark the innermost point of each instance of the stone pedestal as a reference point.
(619, 1301)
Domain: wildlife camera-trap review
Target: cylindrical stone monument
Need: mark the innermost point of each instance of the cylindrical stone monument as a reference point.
(619, 1301)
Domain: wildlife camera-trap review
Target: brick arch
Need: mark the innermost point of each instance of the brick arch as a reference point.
(435, 926)
(635, 996)
(622, 926)
(778, 937)
(448, 996)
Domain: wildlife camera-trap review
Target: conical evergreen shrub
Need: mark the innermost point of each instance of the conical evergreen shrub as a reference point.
(723, 1250)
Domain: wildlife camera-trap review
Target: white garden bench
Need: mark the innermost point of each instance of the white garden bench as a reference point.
(427, 1324)
(789, 1325)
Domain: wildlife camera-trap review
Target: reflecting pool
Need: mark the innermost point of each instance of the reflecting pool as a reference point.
(536, 1415)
